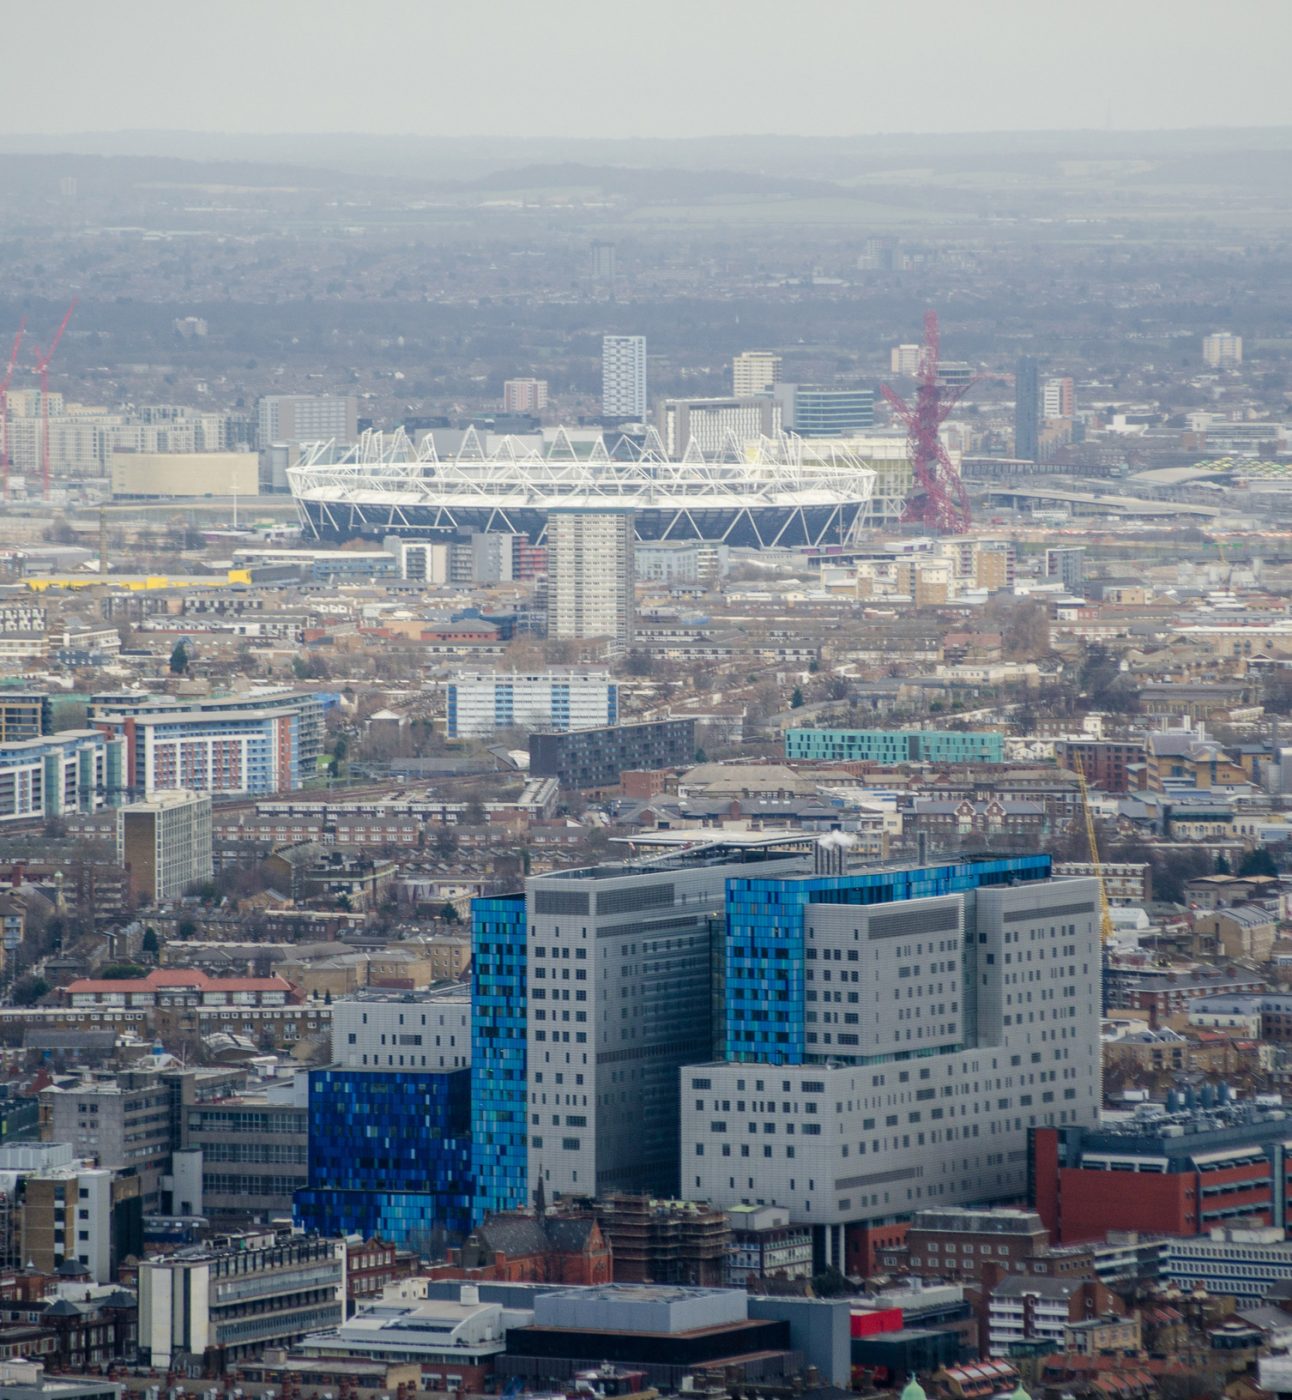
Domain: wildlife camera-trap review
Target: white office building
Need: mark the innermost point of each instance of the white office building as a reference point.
(715, 425)
(482, 703)
(1240, 1263)
(623, 377)
(294, 418)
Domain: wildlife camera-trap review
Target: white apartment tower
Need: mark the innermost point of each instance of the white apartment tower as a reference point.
(754, 372)
(623, 377)
(590, 576)
(1058, 398)
(1222, 349)
(166, 843)
(524, 395)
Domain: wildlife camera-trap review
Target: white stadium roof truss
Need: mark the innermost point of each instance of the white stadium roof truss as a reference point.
(385, 474)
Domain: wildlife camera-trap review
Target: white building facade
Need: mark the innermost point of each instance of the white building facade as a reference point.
(939, 1031)
(755, 372)
(590, 576)
(623, 377)
(403, 1030)
(480, 704)
(167, 843)
(714, 424)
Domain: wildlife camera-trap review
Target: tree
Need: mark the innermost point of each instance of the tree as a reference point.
(1258, 862)
(445, 842)
(150, 944)
(28, 990)
(1222, 865)
(639, 663)
(796, 699)
(449, 913)
(122, 972)
(1024, 626)
(830, 1283)
(186, 929)
(179, 659)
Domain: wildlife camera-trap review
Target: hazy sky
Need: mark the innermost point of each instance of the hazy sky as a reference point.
(644, 68)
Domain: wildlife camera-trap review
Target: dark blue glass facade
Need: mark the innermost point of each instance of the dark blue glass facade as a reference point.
(499, 1132)
(390, 1155)
(764, 972)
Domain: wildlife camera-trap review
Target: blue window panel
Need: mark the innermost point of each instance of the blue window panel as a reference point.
(499, 1132)
(388, 1146)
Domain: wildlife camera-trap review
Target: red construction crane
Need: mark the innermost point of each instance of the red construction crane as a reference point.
(4, 401)
(937, 500)
(42, 368)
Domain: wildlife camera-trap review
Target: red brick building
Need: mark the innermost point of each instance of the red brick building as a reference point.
(516, 1248)
(1174, 1176)
(1107, 763)
(371, 1264)
(862, 1245)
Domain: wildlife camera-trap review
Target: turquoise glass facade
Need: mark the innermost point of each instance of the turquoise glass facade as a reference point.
(764, 965)
(895, 745)
(389, 1155)
(499, 957)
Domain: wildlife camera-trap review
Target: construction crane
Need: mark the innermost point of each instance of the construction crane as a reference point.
(1224, 559)
(4, 401)
(43, 357)
(938, 499)
(1105, 913)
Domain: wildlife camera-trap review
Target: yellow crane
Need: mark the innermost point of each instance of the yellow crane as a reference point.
(1105, 913)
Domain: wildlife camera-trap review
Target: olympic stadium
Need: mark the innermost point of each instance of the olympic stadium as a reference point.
(782, 490)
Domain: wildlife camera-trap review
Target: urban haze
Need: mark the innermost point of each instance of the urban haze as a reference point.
(645, 682)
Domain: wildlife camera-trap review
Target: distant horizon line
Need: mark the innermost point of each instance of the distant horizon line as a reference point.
(530, 137)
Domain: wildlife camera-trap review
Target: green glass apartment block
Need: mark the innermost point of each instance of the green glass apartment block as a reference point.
(890, 746)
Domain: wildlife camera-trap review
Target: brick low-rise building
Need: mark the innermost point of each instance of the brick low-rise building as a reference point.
(565, 1247)
(171, 987)
(1112, 765)
(956, 1244)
